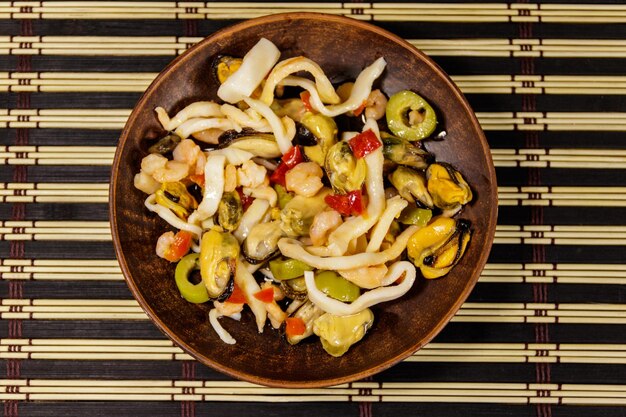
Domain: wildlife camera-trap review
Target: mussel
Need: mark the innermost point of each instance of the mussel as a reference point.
(338, 333)
(411, 185)
(262, 145)
(437, 247)
(224, 66)
(294, 288)
(218, 260)
(230, 211)
(261, 243)
(345, 171)
(174, 196)
(447, 186)
(166, 144)
(324, 129)
(297, 215)
(403, 152)
(308, 312)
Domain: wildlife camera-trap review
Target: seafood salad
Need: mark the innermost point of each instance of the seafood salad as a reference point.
(306, 201)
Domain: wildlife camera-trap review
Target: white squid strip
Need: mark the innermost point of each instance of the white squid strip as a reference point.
(245, 280)
(356, 226)
(360, 91)
(213, 188)
(256, 64)
(217, 326)
(292, 248)
(265, 192)
(368, 299)
(233, 156)
(251, 218)
(284, 129)
(395, 205)
(197, 109)
(192, 126)
(167, 215)
(243, 119)
(283, 69)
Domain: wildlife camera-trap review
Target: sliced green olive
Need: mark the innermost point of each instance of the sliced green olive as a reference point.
(409, 116)
(174, 196)
(324, 129)
(288, 268)
(412, 215)
(230, 211)
(411, 185)
(345, 171)
(336, 286)
(194, 293)
(218, 257)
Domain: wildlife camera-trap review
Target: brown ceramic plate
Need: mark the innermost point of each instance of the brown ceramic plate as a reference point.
(342, 47)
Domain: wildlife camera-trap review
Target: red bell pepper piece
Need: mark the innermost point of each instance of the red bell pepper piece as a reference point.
(266, 295)
(246, 200)
(198, 179)
(179, 247)
(289, 160)
(364, 143)
(359, 110)
(346, 204)
(305, 96)
(237, 296)
(294, 326)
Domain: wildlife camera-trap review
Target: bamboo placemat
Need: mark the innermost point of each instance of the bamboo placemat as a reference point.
(544, 332)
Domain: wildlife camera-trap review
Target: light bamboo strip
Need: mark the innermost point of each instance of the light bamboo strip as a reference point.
(505, 234)
(541, 158)
(475, 84)
(173, 390)
(132, 349)
(507, 196)
(103, 309)
(484, 12)
(171, 46)
(115, 119)
(94, 269)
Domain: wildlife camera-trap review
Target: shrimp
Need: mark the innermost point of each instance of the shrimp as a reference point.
(375, 105)
(251, 175)
(186, 151)
(163, 244)
(265, 192)
(304, 179)
(172, 171)
(228, 309)
(144, 182)
(152, 162)
(323, 224)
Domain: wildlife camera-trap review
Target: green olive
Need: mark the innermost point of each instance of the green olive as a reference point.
(345, 171)
(409, 116)
(336, 286)
(194, 293)
(412, 215)
(284, 196)
(288, 268)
